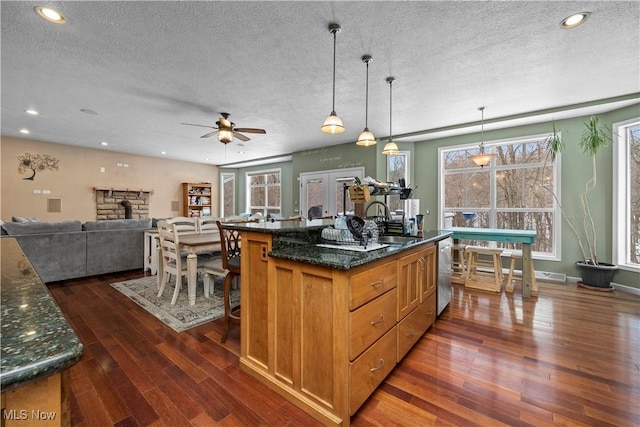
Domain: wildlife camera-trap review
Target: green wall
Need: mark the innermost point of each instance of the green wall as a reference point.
(575, 171)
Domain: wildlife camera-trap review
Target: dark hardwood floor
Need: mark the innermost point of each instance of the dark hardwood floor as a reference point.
(570, 357)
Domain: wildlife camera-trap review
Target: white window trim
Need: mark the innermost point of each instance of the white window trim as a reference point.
(248, 186)
(621, 197)
(223, 195)
(557, 232)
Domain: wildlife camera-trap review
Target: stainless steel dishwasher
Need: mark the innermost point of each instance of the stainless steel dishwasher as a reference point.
(444, 274)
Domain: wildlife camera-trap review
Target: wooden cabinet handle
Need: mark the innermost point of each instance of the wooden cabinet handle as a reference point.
(410, 333)
(377, 368)
(378, 283)
(375, 322)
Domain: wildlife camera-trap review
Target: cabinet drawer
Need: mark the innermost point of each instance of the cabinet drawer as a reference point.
(371, 321)
(412, 327)
(368, 370)
(370, 283)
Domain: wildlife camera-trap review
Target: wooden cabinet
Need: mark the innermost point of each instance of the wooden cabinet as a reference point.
(325, 338)
(196, 199)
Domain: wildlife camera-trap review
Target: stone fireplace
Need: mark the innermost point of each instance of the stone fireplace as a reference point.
(112, 203)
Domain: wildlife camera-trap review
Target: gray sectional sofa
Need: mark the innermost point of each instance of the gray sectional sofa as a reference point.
(69, 249)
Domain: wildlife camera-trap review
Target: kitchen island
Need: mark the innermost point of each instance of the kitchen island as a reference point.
(323, 327)
(38, 346)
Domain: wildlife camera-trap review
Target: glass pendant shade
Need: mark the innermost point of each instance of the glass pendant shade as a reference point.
(332, 124)
(390, 148)
(481, 159)
(366, 138)
(225, 136)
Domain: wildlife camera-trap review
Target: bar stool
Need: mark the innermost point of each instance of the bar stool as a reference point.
(490, 280)
(534, 284)
(458, 263)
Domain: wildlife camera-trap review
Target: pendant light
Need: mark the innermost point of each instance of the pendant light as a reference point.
(333, 123)
(366, 138)
(390, 147)
(482, 159)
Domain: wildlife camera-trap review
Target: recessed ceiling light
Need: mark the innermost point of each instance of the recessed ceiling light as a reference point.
(240, 152)
(24, 131)
(574, 20)
(50, 14)
(163, 153)
(31, 111)
(104, 143)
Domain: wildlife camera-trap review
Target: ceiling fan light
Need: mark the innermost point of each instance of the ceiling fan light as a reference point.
(332, 124)
(390, 148)
(225, 136)
(366, 138)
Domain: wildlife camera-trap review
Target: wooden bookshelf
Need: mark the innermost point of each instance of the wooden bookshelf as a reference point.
(196, 200)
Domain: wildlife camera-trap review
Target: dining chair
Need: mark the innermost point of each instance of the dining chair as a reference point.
(174, 261)
(207, 224)
(230, 255)
(184, 224)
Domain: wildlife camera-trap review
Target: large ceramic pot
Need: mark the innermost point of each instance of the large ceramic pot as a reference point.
(597, 275)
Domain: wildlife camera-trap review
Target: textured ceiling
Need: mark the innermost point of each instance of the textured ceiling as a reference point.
(145, 67)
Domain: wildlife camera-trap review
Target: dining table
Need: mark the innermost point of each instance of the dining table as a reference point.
(525, 237)
(193, 243)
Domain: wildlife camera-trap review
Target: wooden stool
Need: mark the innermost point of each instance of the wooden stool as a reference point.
(487, 281)
(458, 263)
(534, 284)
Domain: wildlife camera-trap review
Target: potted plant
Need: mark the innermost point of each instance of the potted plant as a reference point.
(595, 273)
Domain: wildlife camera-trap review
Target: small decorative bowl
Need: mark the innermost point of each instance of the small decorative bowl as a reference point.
(468, 215)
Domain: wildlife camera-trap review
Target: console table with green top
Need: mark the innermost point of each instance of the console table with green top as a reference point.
(524, 237)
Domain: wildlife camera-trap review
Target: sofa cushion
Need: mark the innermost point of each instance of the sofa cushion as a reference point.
(117, 224)
(22, 228)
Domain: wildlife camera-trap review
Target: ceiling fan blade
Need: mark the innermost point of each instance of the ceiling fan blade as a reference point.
(250, 130)
(209, 134)
(241, 136)
(204, 126)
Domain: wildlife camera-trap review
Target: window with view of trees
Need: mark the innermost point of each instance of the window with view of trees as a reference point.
(626, 149)
(397, 167)
(513, 192)
(263, 192)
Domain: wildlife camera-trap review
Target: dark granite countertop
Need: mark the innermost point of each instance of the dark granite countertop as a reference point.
(345, 259)
(280, 227)
(37, 341)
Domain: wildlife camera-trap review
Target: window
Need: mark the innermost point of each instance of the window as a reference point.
(263, 192)
(227, 194)
(515, 191)
(626, 203)
(397, 168)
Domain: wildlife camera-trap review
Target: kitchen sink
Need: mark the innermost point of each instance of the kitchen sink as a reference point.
(396, 239)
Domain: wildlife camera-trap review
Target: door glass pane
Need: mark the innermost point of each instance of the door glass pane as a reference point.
(228, 194)
(344, 203)
(315, 191)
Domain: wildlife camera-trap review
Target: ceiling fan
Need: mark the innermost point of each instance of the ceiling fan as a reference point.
(227, 130)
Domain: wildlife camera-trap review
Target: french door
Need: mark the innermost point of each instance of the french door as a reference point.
(322, 192)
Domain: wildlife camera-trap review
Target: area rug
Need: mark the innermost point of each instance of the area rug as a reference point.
(181, 316)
